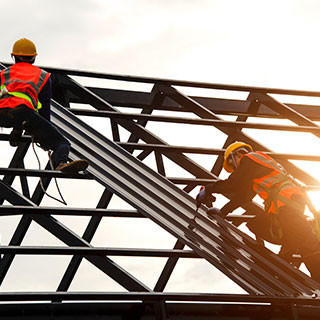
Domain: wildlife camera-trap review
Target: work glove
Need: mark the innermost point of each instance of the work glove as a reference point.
(15, 136)
(205, 197)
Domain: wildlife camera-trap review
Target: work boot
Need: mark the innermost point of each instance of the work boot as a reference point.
(73, 166)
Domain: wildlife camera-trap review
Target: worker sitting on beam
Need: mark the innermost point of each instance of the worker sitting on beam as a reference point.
(23, 88)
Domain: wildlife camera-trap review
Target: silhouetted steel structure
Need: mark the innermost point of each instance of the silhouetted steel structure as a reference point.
(275, 289)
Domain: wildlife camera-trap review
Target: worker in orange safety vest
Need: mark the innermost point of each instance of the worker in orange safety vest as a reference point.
(284, 221)
(25, 93)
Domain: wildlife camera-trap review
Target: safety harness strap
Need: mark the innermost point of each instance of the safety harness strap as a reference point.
(25, 96)
(298, 206)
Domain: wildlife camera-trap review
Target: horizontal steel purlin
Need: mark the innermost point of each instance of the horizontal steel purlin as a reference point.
(25, 210)
(28, 210)
(97, 251)
(202, 122)
(155, 296)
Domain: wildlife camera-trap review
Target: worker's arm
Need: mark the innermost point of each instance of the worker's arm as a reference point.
(236, 202)
(240, 181)
(238, 187)
(45, 99)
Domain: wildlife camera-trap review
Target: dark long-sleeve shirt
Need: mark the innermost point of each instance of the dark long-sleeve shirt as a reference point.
(45, 98)
(239, 184)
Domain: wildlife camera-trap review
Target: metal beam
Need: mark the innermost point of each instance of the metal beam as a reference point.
(137, 310)
(97, 251)
(27, 210)
(202, 122)
(281, 108)
(155, 296)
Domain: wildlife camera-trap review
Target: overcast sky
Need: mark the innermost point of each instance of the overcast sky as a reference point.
(268, 43)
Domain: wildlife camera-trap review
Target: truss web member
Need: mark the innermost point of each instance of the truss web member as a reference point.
(25, 104)
(284, 221)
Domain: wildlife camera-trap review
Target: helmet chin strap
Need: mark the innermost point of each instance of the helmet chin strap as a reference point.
(232, 156)
(234, 162)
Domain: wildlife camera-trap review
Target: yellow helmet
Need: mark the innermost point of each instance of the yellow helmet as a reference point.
(24, 47)
(231, 148)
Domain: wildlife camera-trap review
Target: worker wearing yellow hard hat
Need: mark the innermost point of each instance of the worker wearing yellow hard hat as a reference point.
(256, 173)
(25, 94)
(24, 47)
(237, 147)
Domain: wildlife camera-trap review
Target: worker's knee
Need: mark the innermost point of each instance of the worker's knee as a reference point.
(62, 144)
(47, 135)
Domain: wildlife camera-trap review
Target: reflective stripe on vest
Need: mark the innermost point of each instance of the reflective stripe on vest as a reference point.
(27, 94)
(20, 95)
(273, 184)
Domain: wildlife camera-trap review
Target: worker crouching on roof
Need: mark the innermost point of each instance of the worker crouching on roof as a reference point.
(284, 201)
(25, 95)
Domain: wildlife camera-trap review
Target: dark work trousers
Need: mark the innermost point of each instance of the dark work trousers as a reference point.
(262, 226)
(43, 131)
(299, 236)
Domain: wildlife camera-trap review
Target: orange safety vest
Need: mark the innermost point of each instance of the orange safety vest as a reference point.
(23, 82)
(275, 185)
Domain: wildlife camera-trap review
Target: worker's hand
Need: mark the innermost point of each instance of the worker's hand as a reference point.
(15, 137)
(205, 197)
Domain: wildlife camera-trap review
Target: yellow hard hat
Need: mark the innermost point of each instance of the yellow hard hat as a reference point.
(232, 147)
(24, 47)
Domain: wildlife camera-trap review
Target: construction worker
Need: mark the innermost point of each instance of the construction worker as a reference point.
(25, 95)
(284, 221)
